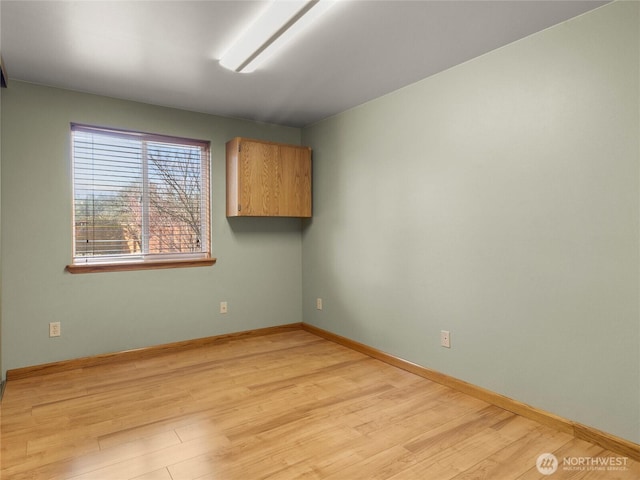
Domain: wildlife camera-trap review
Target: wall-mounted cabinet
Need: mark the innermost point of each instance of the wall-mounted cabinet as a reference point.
(267, 179)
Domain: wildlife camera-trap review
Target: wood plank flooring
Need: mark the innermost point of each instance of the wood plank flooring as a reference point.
(282, 406)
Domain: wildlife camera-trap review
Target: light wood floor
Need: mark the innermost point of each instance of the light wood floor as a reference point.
(282, 406)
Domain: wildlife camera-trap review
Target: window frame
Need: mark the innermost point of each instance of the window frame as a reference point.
(145, 261)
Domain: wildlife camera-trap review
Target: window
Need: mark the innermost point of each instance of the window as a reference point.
(138, 198)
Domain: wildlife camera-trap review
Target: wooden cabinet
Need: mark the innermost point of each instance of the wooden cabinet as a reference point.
(267, 179)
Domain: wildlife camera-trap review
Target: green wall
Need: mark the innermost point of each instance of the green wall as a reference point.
(259, 260)
(1, 370)
(498, 200)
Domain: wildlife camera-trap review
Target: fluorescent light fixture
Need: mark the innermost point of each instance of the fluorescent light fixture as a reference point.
(280, 22)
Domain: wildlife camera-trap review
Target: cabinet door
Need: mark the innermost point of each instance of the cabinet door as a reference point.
(293, 186)
(257, 189)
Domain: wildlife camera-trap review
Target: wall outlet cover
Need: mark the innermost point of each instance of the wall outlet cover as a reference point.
(54, 329)
(445, 338)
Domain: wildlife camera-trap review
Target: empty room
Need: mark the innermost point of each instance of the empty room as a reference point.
(350, 239)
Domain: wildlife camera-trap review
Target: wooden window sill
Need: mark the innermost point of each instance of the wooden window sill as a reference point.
(127, 267)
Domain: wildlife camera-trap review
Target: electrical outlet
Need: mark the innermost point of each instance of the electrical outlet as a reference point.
(318, 303)
(223, 307)
(54, 329)
(445, 338)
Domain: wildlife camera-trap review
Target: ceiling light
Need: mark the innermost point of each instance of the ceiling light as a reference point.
(280, 22)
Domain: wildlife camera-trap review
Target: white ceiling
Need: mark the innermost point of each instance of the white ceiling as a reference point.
(164, 52)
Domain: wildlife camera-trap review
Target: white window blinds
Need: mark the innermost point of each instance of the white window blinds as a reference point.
(138, 196)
